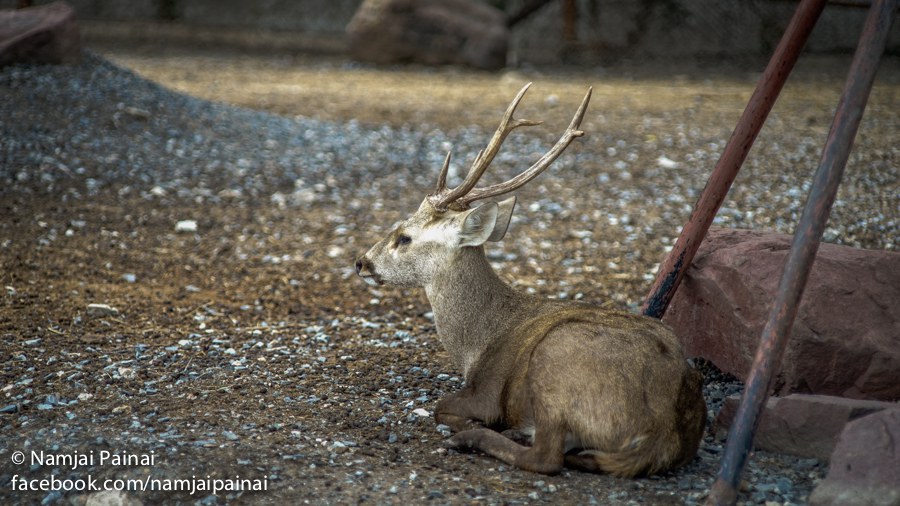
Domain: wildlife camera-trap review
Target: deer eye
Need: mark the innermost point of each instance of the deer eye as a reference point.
(403, 240)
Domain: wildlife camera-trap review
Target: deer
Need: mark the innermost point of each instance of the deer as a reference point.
(548, 383)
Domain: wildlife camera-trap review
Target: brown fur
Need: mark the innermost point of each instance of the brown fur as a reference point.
(600, 377)
(615, 384)
(600, 390)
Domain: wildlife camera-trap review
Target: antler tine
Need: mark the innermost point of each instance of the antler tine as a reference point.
(539, 166)
(442, 179)
(507, 125)
(485, 156)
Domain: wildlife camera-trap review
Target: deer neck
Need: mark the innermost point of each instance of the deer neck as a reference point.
(473, 307)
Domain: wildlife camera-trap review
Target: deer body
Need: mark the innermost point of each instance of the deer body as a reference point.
(593, 389)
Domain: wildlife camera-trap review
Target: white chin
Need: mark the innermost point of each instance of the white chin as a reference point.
(371, 280)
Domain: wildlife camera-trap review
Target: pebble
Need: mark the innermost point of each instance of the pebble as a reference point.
(99, 310)
(303, 152)
(186, 226)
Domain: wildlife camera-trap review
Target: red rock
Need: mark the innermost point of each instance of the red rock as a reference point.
(846, 338)
(802, 425)
(865, 465)
(465, 32)
(42, 34)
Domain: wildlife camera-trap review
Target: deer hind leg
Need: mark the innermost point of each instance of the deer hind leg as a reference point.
(545, 456)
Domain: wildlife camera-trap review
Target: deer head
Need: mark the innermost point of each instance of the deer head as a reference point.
(445, 223)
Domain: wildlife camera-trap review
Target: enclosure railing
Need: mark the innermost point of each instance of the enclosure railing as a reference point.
(808, 234)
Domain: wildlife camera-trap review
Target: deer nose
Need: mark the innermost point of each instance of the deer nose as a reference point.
(362, 265)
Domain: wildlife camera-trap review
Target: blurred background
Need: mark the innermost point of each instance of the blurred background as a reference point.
(541, 31)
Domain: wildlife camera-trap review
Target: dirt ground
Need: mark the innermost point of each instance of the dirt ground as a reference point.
(247, 348)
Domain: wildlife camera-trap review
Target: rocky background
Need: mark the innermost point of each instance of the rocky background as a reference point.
(177, 239)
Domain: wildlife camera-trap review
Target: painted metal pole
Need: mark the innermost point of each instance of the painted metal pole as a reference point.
(803, 249)
(751, 121)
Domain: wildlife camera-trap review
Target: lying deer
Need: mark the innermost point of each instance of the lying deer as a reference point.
(594, 389)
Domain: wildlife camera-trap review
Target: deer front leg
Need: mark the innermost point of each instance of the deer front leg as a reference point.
(545, 456)
(465, 410)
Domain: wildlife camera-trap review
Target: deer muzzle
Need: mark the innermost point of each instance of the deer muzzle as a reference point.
(366, 270)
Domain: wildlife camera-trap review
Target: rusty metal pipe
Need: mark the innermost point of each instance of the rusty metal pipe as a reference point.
(671, 271)
(803, 249)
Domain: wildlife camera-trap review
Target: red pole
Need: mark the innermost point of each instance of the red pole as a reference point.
(803, 249)
(672, 270)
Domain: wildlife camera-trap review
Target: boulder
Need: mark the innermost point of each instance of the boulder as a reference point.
(865, 465)
(845, 340)
(799, 424)
(42, 34)
(433, 32)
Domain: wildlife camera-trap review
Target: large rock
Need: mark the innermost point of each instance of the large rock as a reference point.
(865, 465)
(846, 338)
(465, 32)
(43, 34)
(799, 424)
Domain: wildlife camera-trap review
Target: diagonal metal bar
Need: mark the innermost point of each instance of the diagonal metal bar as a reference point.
(803, 249)
(751, 121)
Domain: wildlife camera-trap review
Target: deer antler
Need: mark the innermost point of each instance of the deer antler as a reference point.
(466, 193)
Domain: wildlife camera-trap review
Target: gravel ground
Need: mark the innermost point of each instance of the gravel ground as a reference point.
(232, 337)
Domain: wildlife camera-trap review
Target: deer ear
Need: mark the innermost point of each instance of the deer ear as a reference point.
(478, 224)
(504, 214)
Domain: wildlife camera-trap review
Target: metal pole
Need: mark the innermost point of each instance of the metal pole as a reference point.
(803, 249)
(779, 68)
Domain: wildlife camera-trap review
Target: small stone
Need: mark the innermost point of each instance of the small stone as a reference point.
(99, 310)
(52, 498)
(9, 409)
(186, 226)
(666, 162)
(124, 408)
(784, 485)
(759, 496)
